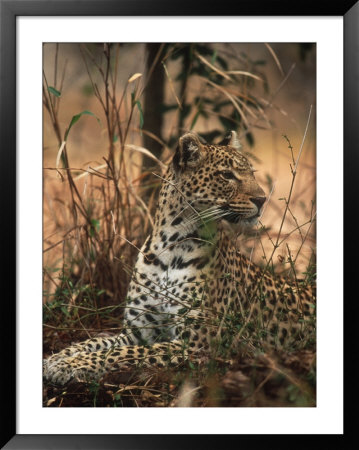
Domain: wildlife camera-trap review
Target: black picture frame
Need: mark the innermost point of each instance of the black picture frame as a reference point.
(9, 10)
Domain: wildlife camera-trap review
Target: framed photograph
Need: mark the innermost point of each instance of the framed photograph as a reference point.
(170, 185)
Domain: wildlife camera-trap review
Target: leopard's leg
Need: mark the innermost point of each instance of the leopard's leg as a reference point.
(91, 345)
(88, 366)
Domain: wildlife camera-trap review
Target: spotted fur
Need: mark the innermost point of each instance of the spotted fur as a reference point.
(189, 275)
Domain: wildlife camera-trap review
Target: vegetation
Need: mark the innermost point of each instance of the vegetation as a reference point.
(101, 214)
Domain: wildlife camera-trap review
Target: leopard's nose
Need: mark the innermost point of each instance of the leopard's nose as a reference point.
(258, 201)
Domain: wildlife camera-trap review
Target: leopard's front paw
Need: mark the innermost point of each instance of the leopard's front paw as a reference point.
(57, 371)
(63, 370)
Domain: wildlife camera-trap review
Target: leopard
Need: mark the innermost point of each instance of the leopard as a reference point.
(190, 275)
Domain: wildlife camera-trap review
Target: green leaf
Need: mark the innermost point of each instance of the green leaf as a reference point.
(65, 311)
(54, 91)
(195, 119)
(95, 225)
(53, 269)
(214, 57)
(141, 112)
(76, 118)
(191, 365)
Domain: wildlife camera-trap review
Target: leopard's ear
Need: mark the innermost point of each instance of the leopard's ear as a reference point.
(232, 140)
(189, 152)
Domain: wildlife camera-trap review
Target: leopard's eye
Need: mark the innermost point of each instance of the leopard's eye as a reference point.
(228, 175)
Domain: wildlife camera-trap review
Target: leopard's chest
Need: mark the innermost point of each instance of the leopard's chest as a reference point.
(170, 278)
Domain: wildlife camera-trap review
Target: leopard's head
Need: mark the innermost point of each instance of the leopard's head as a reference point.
(217, 180)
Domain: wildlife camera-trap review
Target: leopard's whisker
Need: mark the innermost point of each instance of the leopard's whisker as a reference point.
(202, 215)
(203, 212)
(208, 216)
